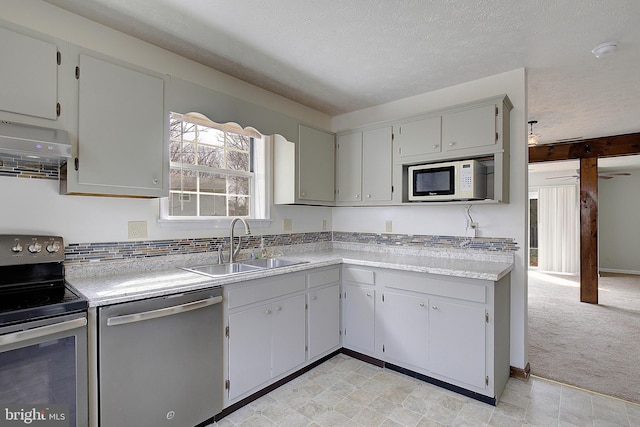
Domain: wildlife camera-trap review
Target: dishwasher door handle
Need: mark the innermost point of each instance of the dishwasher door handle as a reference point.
(42, 331)
(162, 312)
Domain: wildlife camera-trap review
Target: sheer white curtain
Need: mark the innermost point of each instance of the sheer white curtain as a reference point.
(558, 229)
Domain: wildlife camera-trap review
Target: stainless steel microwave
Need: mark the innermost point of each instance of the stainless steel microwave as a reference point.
(459, 180)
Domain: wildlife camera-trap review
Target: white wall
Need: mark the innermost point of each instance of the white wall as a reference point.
(618, 227)
(509, 220)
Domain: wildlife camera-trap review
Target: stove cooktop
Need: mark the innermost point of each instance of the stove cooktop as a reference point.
(32, 284)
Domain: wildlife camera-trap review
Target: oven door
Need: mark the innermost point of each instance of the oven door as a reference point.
(43, 371)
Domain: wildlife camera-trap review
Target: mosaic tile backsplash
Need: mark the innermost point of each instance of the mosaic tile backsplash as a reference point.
(21, 167)
(93, 252)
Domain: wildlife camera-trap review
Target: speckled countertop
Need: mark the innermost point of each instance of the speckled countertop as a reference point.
(117, 282)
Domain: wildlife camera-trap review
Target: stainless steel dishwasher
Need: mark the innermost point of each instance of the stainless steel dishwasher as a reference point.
(160, 360)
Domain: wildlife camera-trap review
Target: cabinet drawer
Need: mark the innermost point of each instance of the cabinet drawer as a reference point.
(239, 295)
(359, 275)
(324, 277)
(439, 287)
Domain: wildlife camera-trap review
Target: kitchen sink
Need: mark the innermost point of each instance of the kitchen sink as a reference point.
(272, 262)
(215, 270)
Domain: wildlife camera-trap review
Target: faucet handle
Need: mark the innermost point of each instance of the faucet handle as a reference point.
(220, 253)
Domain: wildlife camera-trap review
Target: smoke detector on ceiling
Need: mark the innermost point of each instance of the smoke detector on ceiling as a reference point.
(604, 49)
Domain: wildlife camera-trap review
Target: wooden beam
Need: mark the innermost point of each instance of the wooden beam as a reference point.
(610, 146)
(589, 230)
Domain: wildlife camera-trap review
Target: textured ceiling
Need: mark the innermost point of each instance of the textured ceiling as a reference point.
(339, 56)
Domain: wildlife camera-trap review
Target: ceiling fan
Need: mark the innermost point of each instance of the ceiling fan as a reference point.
(603, 175)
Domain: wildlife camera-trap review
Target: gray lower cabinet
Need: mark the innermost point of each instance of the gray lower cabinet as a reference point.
(276, 325)
(452, 329)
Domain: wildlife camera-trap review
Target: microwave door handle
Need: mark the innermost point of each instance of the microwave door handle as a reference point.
(42, 331)
(162, 312)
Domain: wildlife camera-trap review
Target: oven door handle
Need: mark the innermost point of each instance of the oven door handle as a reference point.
(162, 312)
(42, 331)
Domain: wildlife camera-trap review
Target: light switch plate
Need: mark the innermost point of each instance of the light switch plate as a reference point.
(388, 226)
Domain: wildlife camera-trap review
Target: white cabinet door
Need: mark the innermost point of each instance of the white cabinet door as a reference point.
(288, 334)
(377, 151)
(249, 349)
(28, 75)
(418, 137)
(359, 318)
(475, 127)
(349, 167)
(323, 320)
(457, 347)
(406, 322)
(121, 130)
(316, 165)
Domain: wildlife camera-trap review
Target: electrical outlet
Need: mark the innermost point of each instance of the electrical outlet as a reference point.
(324, 224)
(388, 226)
(137, 229)
(287, 224)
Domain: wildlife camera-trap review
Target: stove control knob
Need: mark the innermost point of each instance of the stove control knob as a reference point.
(16, 248)
(53, 247)
(35, 247)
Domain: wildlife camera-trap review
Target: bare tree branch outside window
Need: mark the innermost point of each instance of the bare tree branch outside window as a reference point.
(210, 170)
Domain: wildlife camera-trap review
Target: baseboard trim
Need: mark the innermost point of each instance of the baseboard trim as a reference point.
(618, 271)
(521, 374)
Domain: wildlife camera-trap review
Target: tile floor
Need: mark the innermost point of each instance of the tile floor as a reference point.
(347, 392)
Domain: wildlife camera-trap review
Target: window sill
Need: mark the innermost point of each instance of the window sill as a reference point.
(222, 223)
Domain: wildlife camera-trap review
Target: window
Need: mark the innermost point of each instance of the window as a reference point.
(215, 170)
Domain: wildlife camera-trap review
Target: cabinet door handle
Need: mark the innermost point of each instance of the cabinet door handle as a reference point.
(267, 312)
(278, 308)
(368, 196)
(435, 146)
(421, 304)
(452, 143)
(368, 294)
(357, 196)
(435, 307)
(314, 297)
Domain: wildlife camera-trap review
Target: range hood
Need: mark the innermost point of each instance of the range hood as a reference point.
(34, 142)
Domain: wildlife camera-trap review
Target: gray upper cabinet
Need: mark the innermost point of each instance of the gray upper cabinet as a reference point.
(316, 157)
(304, 172)
(418, 137)
(364, 161)
(470, 128)
(29, 75)
(122, 131)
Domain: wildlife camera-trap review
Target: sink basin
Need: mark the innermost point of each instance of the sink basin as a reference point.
(271, 262)
(215, 270)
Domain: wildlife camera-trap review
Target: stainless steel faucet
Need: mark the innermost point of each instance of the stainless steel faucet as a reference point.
(247, 231)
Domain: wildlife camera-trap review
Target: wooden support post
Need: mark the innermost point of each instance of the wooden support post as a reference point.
(589, 230)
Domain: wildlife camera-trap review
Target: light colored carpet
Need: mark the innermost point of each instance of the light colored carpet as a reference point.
(595, 347)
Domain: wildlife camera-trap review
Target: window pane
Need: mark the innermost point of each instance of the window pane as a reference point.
(183, 180)
(239, 142)
(238, 206)
(210, 156)
(182, 205)
(213, 205)
(238, 185)
(182, 153)
(210, 136)
(238, 161)
(213, 183)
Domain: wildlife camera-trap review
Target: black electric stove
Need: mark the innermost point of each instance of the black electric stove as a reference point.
(32, 284)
